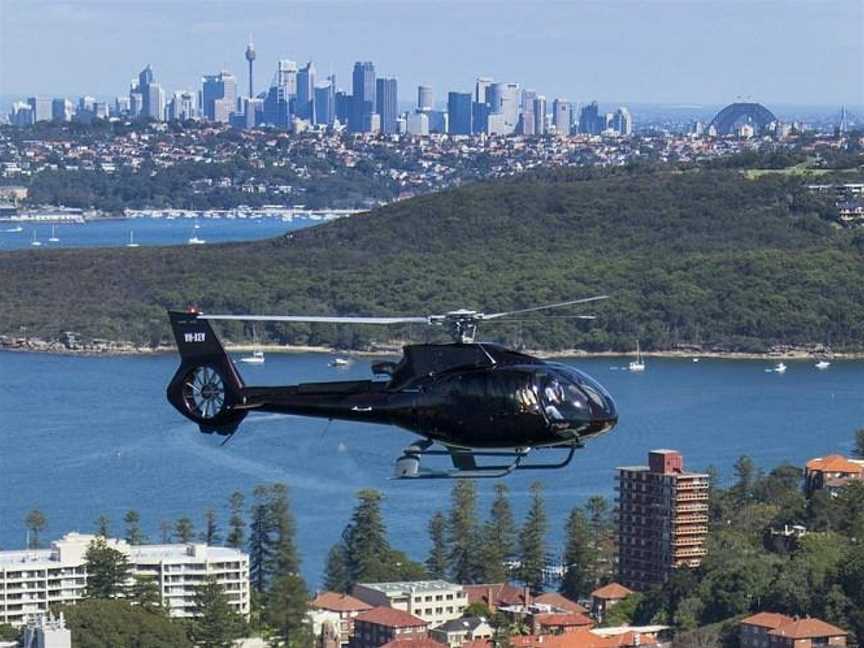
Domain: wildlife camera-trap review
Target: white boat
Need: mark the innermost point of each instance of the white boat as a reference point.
(132, 242)
(339, 362)
(35, 242)
(822, 364)
(639, 363)
(257, 357)
(53, 238)
(780, 368)
(13, 230)
(194, 240)
(695, 359)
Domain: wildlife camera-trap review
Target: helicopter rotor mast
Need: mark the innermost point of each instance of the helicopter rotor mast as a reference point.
(462, 324)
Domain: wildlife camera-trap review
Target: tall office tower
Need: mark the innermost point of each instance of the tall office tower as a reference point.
(562, 116)
(387, 104)
(662, 519)
(183, 106)
(61, 110)
(325, 103)
(219, 96)
(622, 121)
(21, 114)
(122, 105)
(526, 123)
(344, 105)
(152, 95)
(589, 119)
(503, 100)
(481, 88)
(459, 109)
(41, 108)
(136, 102)
(305, 104)
(286, 77)
(250, 56)
(363, 101)
(540, 115)
(527, 103)
(425, 99)
(480, 108)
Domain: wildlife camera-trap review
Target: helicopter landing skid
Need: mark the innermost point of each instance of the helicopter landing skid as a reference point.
(465, 462)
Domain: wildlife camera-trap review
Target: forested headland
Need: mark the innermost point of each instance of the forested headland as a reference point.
(701, 258)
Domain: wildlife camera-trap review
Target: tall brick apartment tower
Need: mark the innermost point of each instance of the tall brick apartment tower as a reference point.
(662, 519)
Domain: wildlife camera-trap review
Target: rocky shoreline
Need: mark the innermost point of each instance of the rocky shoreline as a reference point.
(104, 347)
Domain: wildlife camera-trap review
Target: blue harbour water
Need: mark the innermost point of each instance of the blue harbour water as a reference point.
(145, 231)
(84, 436)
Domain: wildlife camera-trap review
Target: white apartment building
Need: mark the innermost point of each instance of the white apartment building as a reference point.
(434, 601)
(31, 580)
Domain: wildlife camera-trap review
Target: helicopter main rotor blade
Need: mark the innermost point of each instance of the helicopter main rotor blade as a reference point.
(315, 319)
(544, 307)
(507, 320)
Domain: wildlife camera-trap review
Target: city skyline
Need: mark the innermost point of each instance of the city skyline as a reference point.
(554, 49)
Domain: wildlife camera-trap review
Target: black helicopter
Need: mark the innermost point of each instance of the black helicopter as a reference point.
(475, 399)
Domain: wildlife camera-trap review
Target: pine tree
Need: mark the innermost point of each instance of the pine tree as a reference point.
(436, 563)
(579, 557)
(336, 575)
(365, 539)
(216, 624)
(145, 593)
(35, 522)
(211, 536)
(236, 534)
(462, 532)
(133, 528)
(259, 540)
(504, 528)
(532, 541)
(103, 526)
(165, 531)
(184, 530)
(491, 556)
(108, 571)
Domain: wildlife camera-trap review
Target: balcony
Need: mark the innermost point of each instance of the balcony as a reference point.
(691, 530)
(694, 496)
(690, 552)
(688, 541)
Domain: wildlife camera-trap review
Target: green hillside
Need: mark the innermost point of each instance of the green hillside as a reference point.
(702, 257)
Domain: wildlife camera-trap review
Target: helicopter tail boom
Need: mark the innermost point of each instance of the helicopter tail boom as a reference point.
(206, 387)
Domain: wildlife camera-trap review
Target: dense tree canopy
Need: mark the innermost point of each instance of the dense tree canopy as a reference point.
(703, 257)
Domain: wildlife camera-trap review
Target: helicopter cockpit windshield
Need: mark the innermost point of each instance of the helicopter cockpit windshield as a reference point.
(573, 398)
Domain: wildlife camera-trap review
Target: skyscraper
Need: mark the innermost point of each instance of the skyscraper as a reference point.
(41, 108)
(503, 100)
(589, 119)
(425, 99)
(622, 121)
(562, 116)
(152, 95)
(662, 519)
(480, 109)
(305, 105)
(286, 77)
(387, 104)
(250, 56)
(61, 110)
(344, 106)
(459, 109)
(540, 115)
(325, 102)
(219, 96)
(363, 102)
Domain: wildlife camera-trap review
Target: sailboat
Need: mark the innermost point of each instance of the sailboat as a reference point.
(53, 238)
(257, 356)
(194, 240)
(15, 230)
(639, 363)
(35, 242)
(822, 364)
(132, 242)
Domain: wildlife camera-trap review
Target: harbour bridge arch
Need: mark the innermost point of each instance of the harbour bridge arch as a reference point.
(724, 121)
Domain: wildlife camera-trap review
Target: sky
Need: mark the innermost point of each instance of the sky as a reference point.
(690, 52)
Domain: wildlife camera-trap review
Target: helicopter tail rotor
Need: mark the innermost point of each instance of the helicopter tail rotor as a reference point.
(206, 387)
